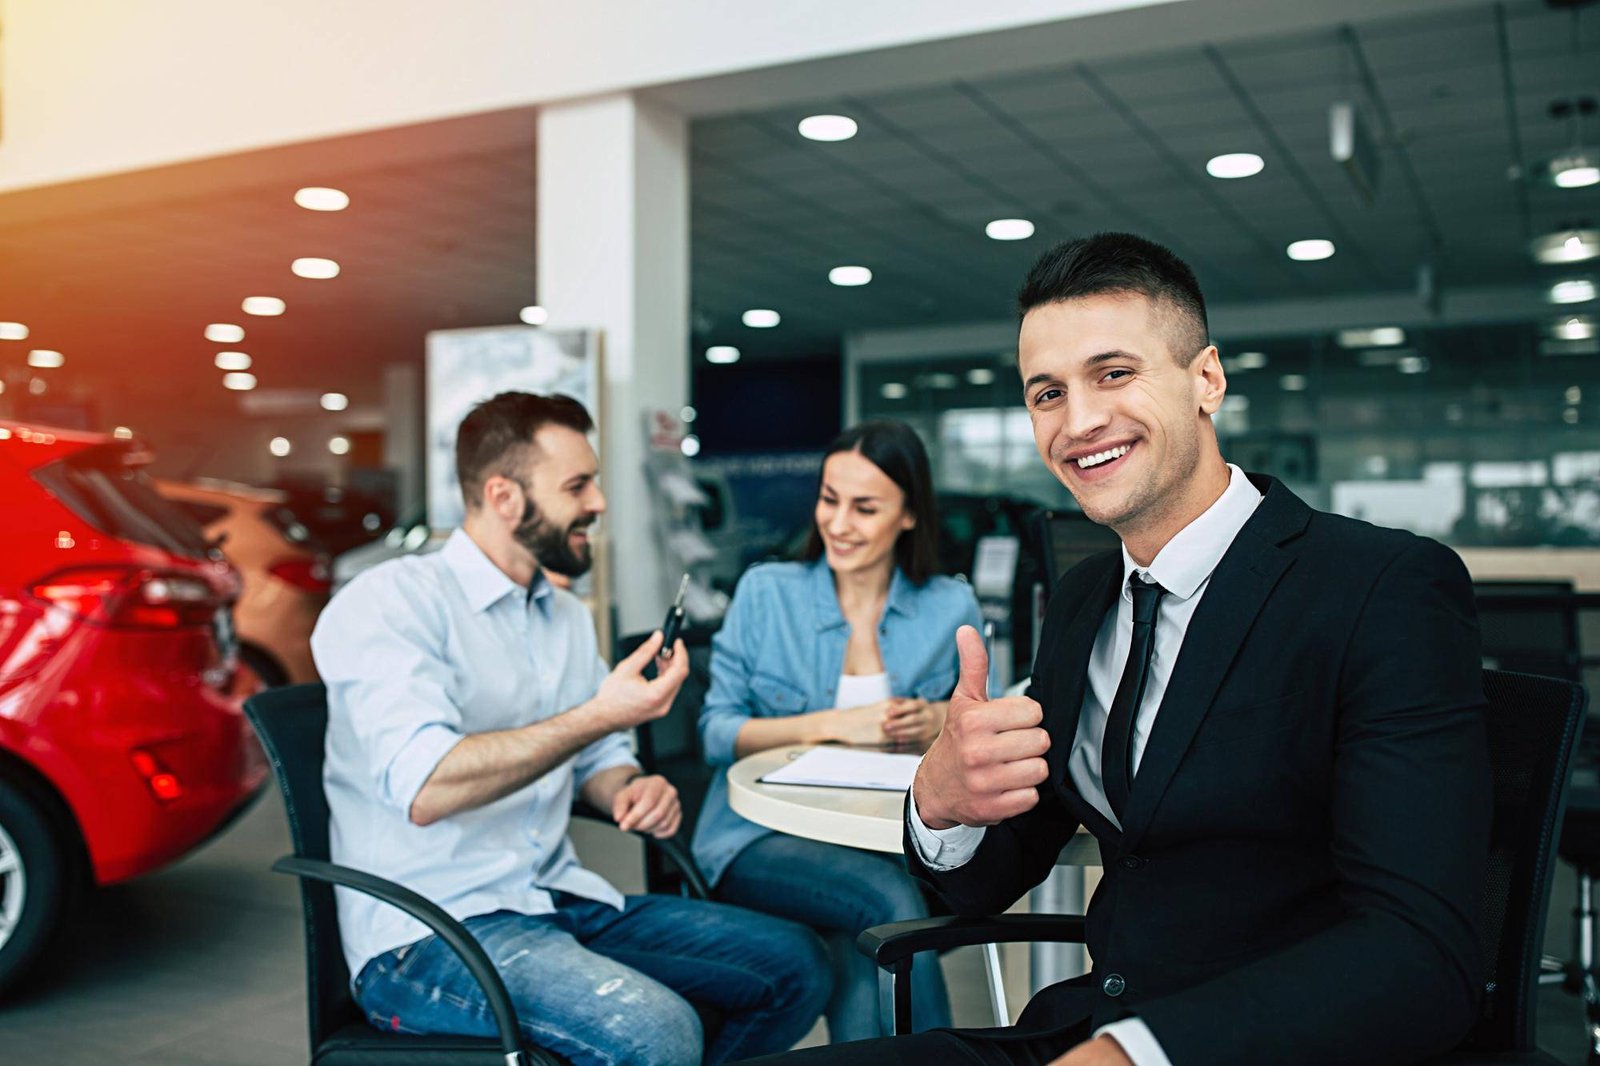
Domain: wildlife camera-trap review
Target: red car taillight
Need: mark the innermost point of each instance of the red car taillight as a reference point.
(130, 598)
(311, 575)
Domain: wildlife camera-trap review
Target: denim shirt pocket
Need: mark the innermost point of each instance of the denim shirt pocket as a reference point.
(936, 687)
(774, 697)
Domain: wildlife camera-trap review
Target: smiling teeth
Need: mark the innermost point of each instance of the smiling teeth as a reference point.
(1103, 457)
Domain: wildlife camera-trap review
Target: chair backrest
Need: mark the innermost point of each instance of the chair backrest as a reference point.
(1067, 539)
(1533, 726)
(291, 723)
(1529, 626)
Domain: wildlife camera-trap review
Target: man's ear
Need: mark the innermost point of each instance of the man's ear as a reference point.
(1211, 384)
(500, 495)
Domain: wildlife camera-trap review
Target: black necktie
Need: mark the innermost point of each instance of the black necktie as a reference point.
(1116, 750)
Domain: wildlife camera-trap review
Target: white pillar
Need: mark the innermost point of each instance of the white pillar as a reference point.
(613, 254)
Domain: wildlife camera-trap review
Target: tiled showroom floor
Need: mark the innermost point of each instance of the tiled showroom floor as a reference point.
(201, 965)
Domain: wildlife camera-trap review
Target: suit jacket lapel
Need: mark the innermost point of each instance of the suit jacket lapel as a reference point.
(1238, 589)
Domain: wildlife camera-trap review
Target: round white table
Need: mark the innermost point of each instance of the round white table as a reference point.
(873, 819)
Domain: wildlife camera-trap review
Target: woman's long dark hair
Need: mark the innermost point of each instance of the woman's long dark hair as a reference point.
(894, 448)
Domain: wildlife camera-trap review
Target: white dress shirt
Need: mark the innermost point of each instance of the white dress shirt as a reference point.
(1183, 567)
(418, 653)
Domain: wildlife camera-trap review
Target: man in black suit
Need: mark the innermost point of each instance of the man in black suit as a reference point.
(1269, 717)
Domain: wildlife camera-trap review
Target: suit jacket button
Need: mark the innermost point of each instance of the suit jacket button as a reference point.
(1132, 862)
(1114, 985)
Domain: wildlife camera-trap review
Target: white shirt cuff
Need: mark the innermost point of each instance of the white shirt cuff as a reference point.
(943, 849)
(1137, 1042)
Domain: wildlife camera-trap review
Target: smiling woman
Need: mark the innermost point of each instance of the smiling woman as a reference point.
(853, 644)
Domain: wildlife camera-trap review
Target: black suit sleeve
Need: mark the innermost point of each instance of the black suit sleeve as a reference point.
(1014, 856)
(1398, 977)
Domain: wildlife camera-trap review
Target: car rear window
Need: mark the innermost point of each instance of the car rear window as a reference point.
(119, 500)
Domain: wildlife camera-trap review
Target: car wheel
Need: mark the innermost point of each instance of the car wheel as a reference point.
(34, 881)
(263, 665)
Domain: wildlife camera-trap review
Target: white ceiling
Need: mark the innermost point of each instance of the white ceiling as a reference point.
(123, 273)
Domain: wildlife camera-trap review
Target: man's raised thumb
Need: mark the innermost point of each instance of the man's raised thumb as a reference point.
(974, 682)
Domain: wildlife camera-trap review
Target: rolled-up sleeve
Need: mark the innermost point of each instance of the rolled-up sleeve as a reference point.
(726, 707)
(391, 718)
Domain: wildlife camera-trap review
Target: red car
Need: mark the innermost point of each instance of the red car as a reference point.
(122, 741)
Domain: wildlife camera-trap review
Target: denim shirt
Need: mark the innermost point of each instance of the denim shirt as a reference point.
(780, 652)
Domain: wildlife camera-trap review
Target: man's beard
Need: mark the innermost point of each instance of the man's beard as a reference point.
(551, 546)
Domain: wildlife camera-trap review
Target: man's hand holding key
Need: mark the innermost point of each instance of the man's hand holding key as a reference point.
(988, 761)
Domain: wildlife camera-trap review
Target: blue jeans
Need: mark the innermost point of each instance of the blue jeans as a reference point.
(602, 986)
(840, 891)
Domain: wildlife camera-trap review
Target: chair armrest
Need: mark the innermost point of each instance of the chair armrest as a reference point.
(894, 943)
(442, 924)
(672, 847)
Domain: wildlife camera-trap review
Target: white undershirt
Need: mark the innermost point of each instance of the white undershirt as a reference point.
(858, 690)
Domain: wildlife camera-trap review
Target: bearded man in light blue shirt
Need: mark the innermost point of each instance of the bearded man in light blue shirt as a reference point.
(467, 705)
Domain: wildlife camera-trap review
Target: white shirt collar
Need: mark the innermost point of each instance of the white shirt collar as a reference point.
(485, 583)
(1186, 561)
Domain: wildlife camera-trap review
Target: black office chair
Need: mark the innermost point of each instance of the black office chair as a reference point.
(1532, 626)
(1533, 724)
(291, 723)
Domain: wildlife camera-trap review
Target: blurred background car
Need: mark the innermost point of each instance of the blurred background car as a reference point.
(122, 741)
(339, 517)
(403, 538)
(285, 572)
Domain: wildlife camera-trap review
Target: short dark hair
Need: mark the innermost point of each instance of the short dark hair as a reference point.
(496, 437)
(1113, 263)
(894, 448)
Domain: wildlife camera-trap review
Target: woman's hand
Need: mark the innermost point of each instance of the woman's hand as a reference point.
(913, 723)
(857, 725)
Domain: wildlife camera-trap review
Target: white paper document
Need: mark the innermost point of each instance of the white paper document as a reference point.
(834, 767)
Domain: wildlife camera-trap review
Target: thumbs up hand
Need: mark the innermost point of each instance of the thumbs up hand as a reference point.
(988, 761)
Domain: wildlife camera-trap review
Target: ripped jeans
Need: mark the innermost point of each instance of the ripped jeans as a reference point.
(602, 986)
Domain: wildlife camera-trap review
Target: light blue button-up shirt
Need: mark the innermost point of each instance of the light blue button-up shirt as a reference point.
(418, 653)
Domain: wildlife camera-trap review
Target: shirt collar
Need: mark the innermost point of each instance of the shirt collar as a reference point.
(1186, 560)
(484, 583)
(826, 597)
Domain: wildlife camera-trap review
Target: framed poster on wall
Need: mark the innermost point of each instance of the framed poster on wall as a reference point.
(467, 366)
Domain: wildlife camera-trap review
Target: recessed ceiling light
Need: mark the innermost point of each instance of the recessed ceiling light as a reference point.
(1250, 360)
(942, 381)
(1293, 383)
(315, 268)
(894, 390)
(690, 445)
(1234, 165)
(1381, 337)
(1309, 251)
(761, 318)
(1575, 328)
(239, 382)
(1575, 170)
(1570, 416)
(46, 359)
(827, 128)
(1567, 246)
(319, 198)
(339, 445)
(1572, 291)
(1413, 364)
(280, 446)
(37, 386)
(263, 305)
(1009, 229)
(335, 401)
(224, 333)
(122, 433)
(980, 375)
(534, 315)
(722, 353)
(13, 331)
(850, 275)
(232, 361)
(1574, 394)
